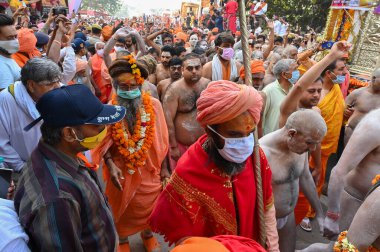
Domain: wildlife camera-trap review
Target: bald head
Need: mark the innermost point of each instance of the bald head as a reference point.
(306, 122)
(375, 82)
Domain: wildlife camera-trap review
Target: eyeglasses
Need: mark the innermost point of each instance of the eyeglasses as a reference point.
(191, 68)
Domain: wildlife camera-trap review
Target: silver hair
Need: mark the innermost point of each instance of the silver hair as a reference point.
(98, 43)
(286, 52)
(307, 121)
(239, 56)
(257, 55)
(282, 66)
(39, 70)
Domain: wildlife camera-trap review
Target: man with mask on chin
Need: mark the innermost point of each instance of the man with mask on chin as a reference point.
(223, 66)
(59, 198)
(10, 71)
(213, 189)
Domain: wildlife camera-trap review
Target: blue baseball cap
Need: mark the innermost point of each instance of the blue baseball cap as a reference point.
(75, 105)
(78, 44)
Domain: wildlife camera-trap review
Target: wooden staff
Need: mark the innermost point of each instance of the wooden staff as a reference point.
(248, 81)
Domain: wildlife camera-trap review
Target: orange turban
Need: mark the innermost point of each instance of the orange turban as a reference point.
(107, 32)
(238, 33)
(182, 36)
(224, 100)
(200, 244)
(81, 65)
(257, 66)
(27, 40)
(27, 50)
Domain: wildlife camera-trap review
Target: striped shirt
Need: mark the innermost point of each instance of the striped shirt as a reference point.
(61, 206)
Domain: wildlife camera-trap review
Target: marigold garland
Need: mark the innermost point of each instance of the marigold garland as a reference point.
(376, 179)
(134, 148)
(343, 245)
(135, 70)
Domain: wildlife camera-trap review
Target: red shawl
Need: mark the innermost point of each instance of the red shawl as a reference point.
(196, 202)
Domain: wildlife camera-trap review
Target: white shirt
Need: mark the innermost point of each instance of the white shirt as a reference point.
(258, 31)
(16, 145)
(277, 27)
(9, 72)
(284, 27)
(263, 10)
(13, 237)
(69, 64)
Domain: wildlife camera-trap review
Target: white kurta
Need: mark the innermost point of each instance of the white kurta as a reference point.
(16, 145)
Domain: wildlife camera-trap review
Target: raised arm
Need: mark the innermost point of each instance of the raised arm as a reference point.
(270, 25)
(290, 103)
(151, 37)
(140, 43)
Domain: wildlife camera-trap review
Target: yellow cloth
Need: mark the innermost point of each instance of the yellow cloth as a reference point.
(332, 109)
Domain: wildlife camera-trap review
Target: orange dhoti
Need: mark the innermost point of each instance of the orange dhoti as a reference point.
(132, 206)
(332, 108)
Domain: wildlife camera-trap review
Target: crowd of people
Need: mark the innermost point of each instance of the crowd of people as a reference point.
(148, 125)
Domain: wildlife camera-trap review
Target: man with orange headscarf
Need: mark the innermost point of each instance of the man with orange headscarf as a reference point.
(258, 73)
(28, 49)
(134, 152)
(207, 194)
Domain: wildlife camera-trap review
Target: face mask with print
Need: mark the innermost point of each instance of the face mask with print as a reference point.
(236, 150)
(295, 77)
(129, 94)
(92, 142)
(228, 53)
(11, 46)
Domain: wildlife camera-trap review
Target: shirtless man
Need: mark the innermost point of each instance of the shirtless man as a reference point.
(179, 106)
(286, 150)
(162, 71)
(350, 181)
(223, 66)
(360, 102)
(175, 66)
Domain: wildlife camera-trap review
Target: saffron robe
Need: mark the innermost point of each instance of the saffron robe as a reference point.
(198, 201)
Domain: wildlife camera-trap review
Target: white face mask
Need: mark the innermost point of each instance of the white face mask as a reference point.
(236, 150)
(118, 48)
(100, 52)
(11, 46)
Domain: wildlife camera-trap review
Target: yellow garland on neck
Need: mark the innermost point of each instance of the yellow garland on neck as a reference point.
(135, 70)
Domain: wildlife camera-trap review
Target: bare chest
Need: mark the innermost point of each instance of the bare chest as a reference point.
(286, 170)
(367, 102)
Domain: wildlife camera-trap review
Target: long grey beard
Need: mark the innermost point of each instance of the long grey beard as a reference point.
(225, 166)
(132, 107)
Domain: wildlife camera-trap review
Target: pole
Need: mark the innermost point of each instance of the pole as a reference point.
(248, 81)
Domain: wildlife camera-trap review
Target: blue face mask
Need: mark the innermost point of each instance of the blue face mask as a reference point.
(295, 77)
(339, 79)
(129, 94)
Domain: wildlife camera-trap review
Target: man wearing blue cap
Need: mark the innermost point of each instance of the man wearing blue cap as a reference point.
(79, 47)
(59, 200)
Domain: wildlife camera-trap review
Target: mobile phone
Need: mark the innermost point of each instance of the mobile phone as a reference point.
(59, 10)
(327, 44)
(19, 20)
(5, 181)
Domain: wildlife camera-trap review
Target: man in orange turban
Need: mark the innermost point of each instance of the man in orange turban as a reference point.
(107, 32)
(28, 49)
(207, 194)
(258, 74)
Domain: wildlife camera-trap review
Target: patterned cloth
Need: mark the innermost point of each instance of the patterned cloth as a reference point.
(61, 206)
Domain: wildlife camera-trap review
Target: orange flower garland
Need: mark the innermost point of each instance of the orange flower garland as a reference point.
(134, 148)
(343, 245)
(135, 70)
